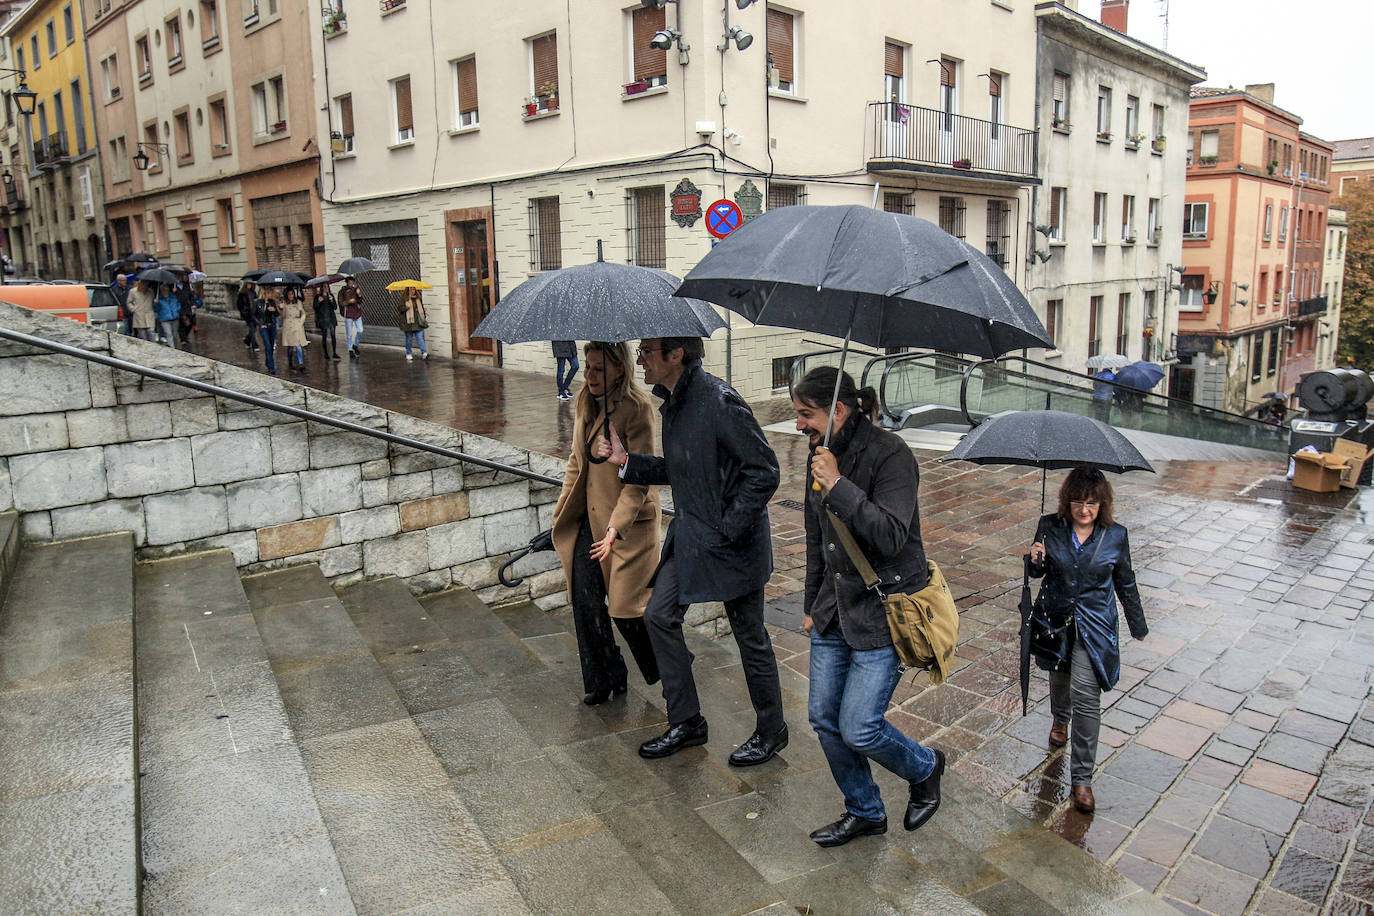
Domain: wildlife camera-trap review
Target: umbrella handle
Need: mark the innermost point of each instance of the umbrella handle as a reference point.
(505, 568)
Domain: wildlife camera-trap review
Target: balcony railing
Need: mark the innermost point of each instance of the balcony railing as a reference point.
(909, 137)
(50, 151)
(1314, 306)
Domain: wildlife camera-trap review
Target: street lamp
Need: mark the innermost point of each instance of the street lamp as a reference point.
(25, 99)
(142, 159)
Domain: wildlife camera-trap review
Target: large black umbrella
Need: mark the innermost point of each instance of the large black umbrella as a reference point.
(598, 301)
(878, 278)
(158, 275)
(323, 280)
(281, 278)
(352, 266)
(1049, 439)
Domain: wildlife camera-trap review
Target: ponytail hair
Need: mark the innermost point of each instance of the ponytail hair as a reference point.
(817, 390)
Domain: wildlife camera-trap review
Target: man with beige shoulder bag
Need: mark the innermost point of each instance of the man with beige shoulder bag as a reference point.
(865, 564)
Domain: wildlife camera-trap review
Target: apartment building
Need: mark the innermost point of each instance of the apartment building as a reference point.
(1254, 229)
(1333, 288)
(16, 217)
(54, 206)
(1352, 162)
(1113, 116)
(486, 143)
(204, 113)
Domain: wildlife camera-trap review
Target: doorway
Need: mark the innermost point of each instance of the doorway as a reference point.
(193, 259)
(470, 279)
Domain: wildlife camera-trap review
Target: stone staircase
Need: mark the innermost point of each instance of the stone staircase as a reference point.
(300, 750)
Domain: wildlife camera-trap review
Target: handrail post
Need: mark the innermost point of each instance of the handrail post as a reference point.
(963, 391)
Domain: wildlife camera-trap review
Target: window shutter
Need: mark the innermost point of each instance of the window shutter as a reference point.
(892, 60)
(946, 72)
(87, 200)
(404, 119)
(780, 43)
(995, 84)
(467, 85)
(649, 62)
(1061, 87)
(544, 51)
(346, 115)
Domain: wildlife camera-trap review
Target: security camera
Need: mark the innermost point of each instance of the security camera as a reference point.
(663, 39)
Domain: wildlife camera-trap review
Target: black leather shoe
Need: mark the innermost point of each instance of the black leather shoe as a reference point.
(925, 796)
(601, 695)
(759, 749)
(847, 828)
(673, 740)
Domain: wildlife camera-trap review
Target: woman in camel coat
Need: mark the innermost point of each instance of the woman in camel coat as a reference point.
(605, 532)
(293, 329)
(140, 306)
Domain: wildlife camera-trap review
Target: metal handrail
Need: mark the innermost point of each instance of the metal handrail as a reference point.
(299, 412)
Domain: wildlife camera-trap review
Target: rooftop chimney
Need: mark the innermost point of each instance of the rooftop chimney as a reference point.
(1262, 91)
(1114, 14)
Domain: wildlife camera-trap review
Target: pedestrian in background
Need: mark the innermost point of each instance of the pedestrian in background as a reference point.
(565, 355)
(351, 304)
(868, 480)
(120, 288)
(265, 315)
(293, 329)
(326, 320)
(142, 310)
(186, 319)
(1085, 559)
(1102, 394)
(168, 310)
(606, 531)
(244, 303)
(411, 312)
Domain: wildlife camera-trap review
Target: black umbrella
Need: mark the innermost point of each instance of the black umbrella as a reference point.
(352, 266)
(158, 275)
(140, 256)
(252, 275)
(323, 280)
(1027, 607)
(280, 278)
(1049, 439)
(878, 278)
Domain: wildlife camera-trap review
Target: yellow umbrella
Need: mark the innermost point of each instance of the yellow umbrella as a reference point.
(407, 284)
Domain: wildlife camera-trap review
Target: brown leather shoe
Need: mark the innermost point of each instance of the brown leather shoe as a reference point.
(1083, 799)
(1059, 735)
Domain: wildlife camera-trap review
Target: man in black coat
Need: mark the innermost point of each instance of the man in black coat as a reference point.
(718, 547)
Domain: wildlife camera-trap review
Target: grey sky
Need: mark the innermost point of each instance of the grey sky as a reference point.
(1316, 53)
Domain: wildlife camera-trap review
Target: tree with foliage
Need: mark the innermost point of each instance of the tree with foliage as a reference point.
(1357, 299)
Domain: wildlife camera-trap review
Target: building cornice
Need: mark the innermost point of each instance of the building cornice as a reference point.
(1085, 30)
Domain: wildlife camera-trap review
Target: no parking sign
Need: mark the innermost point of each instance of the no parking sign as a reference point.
(723, 217)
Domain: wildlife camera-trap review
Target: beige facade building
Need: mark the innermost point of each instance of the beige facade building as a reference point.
(1333, 289)
(478, 147)
(218, 97)
(1113, 114)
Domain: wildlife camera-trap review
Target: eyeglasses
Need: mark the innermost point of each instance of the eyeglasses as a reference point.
(1081, 504)
(641, 351)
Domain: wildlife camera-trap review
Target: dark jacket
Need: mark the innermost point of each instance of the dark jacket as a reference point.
(1101, 575)
(875, 497)
(244, 303)
(565, 349)
(723, 472)
(326, 313)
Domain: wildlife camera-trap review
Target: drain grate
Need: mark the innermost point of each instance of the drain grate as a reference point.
(793, 504)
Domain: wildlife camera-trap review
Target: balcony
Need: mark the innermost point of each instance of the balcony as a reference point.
(13, 199)
(50, 152)
(907, 138)
(1314, 306)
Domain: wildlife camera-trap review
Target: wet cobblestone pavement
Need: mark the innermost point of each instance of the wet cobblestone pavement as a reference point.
(1234, 774)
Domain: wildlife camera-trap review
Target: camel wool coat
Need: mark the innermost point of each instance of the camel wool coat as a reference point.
(292, 323)
(595, 491)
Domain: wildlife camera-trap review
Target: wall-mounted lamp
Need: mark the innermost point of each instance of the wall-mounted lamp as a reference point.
(8, 179)
(663, 39)
(142, 160)
(1178, 270)
(744, 4)
(25, 99)
(1042, 255)
(1210, 296)
(741, 38)
(1044, 230)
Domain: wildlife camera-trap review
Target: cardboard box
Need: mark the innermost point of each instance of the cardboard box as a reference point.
(1319, 472)
(1355, 455)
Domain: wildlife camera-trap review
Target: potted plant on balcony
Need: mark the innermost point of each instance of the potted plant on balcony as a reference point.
(531, 107)
(636, 87)
(1060, 124)
(962, 163)
(1158, 144)
(1207, 160)
(1135, 140)
(1104, 135)
(335, 20)
(1273, 167)
(548, 92)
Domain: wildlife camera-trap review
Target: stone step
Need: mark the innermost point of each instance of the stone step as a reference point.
(402, 835)
(229, 820)
(68, 813)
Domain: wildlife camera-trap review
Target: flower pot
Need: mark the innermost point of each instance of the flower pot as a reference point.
(636, 88)
(551, 103)
(1158, 145)
(531, 109)
(963, 164)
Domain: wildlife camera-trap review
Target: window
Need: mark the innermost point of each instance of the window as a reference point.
(1058, 198)
(1207, 147)
(1100, 217)
(1128, 220)
(18, 56)
(181, 130)
(1195, 221)
(400, 104)
(269, 107)
(343, 106)
(543, 57)
(51, 29)
(647, 65)
(1152, 228)
(1257, 357)
(1190, 297)
(949, 92)
(144, 56)
(33, 51)
(219, 125)
(150, 137)
(894, 76)
(1283, 224)
(1060, 99)
(464, 93)
(1132, 118)
(1278, 287)
(1123, 312)
(224, 215)
(276, 88)
(1157, 122)
(173, 32)
(87, 193)
(1054, 316)
(79, 115)
(782, 35)
(1272, 365)
(998, 245)
(782, 370)
(160, 231)
(785, 195)
(1268, 221)
(1262, 299)
(996, 86)
(109, 76)
(68, 24)
(1094, 325)
(897, 202)
(546, 240)
(119, 159)
(261, 121)
(209, 24)
(952, 216)
(1104, 113)
(645, 222)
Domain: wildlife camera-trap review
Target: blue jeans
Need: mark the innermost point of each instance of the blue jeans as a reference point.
(269, 344)
(353, 331)
(850, 690)
(564, 381)
(418, 337)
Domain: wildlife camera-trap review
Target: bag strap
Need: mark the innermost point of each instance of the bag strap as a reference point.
(856, 556)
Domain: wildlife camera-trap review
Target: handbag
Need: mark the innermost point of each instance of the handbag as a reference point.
(924, 625)
(1051, 630)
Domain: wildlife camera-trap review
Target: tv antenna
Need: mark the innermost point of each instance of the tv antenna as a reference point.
(1164, 14)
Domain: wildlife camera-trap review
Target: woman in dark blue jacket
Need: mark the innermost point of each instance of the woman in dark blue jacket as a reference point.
(1085, 558)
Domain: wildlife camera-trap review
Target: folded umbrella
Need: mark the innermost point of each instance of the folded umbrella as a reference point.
(1026, 607)
(399, 285)
(1140, 375)
(353, 266)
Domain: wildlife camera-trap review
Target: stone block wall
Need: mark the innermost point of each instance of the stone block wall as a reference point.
(85, 449)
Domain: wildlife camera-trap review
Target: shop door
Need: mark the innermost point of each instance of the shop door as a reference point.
(472, 276)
